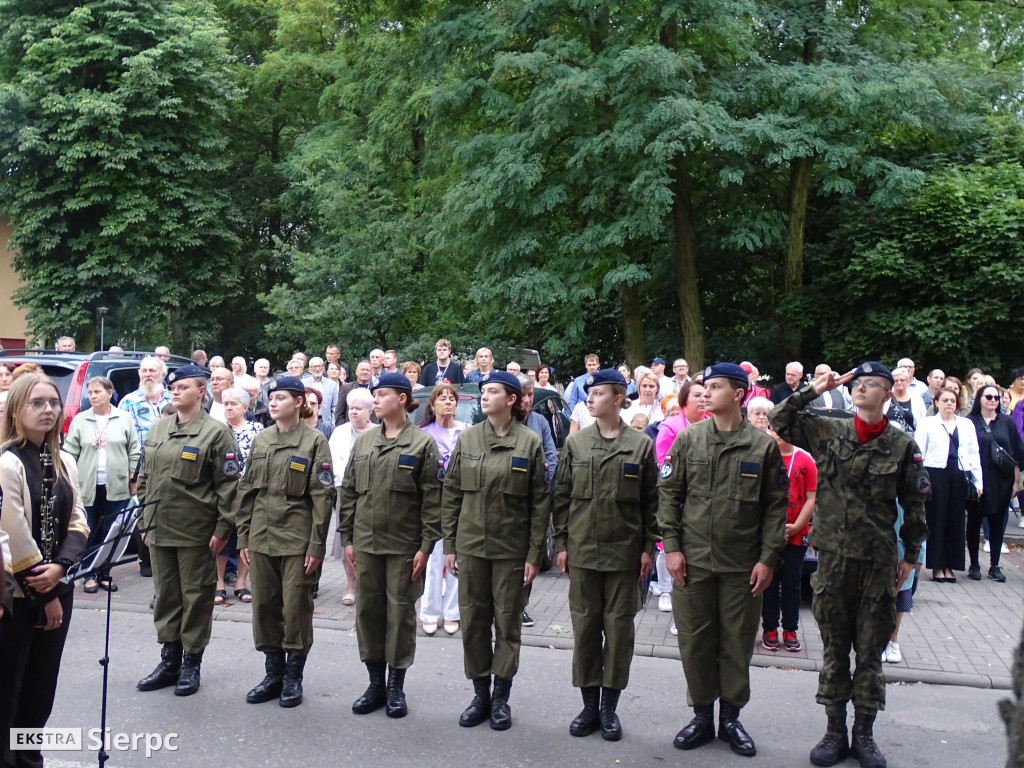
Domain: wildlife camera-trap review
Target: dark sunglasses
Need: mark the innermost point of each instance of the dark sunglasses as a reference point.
(991, 397)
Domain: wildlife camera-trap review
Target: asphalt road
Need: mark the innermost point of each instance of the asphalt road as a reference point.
(924, 725)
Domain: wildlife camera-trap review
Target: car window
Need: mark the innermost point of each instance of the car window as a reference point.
(61, 377)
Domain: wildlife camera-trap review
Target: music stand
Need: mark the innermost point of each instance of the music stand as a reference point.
(98, 561)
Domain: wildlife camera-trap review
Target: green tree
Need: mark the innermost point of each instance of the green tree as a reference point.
(111, 116)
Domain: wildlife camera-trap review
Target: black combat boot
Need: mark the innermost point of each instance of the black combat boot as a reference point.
(166, 672)
(188, 677)
(588, 720)
(291, 688)
(501, 712)
(834, 745)
(611, 728)
(269, 687)
(374, 697)
(479, 708)
(395, 695)
(863, 746)
(698, 731)
(731, 730)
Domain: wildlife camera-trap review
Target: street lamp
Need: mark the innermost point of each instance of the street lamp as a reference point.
(103, 316)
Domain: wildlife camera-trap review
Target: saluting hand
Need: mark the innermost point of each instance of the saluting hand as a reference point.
(829, 381)
(645, 566)
(419, 564)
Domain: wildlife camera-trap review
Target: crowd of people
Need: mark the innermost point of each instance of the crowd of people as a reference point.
(259, 478)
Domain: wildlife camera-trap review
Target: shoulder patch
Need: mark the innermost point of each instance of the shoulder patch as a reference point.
(440, 470)
(325, 475)
(231, 467)
(666, 469)
(924, 483)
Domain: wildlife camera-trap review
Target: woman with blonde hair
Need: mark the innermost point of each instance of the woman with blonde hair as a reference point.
(647, 386)
(43, 522)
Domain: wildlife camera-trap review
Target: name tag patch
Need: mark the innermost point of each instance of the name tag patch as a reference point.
(406, 461)
(520, 464)
(750, 469)
(188, 453)
(298, 464)
(631, 471)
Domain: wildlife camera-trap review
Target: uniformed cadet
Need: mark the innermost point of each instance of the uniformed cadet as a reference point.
(494, 514)
(285, 501)
(390, 522)
(190, 473)
(865, 465)
(722, 511)
(605, 513)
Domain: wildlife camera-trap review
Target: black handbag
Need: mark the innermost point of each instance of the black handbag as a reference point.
(971, 495)
(1001, 460)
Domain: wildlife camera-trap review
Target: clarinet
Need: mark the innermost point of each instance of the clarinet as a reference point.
(48, 522)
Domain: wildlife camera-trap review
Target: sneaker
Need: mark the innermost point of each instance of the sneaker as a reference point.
(672, 630)
(770, 640)
(665, 603)
(1020, 523)
(892, 653)
(987, 547)
(790, 640)
(996, 574)
(655, 589)
(146, 571)
(974, 573)
(527, 620)
(1003, 549)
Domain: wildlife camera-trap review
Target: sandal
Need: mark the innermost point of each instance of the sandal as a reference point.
(348, 599)
(219, 596)
(244, 595)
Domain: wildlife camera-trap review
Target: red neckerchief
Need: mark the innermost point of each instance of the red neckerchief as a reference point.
(868, 432)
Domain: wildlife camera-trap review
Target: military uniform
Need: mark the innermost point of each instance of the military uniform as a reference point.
(494, 514)
(284, 510)
(390, 500)
(605, 513)
(854, 535)
(189, 472)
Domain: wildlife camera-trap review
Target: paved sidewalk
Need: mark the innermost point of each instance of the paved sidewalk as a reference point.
(957, 634)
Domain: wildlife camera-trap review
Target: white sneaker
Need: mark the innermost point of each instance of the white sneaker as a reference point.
(1003, 549)
(672, 630)
(987, 547)
(885, 653)
(893, 654)
(1020, 523)
(655, 589)
(665, 603)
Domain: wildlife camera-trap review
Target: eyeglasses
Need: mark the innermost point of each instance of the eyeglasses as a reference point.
(41, 405)
(865, 384)
(991, 398)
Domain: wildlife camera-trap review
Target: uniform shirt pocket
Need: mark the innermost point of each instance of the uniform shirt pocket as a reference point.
(884, 479)
(256, 470)
(582, 480)
(188, 464)
(359, 466)
(403, 478)
(471, 473)
(628, 487)
(747, 481)
(296, 475)
(517, 481)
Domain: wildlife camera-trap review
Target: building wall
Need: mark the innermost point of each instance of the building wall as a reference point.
(13, 328)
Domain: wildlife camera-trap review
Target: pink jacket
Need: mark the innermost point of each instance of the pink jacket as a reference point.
(667, 434)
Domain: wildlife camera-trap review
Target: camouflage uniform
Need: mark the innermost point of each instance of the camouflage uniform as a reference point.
(854, 534)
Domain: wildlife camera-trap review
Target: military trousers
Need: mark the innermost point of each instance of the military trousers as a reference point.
(386, 608)
(855, 607)
(603, 606)
(491, 594)
(717, 618)
(282, 603)
(184, 580)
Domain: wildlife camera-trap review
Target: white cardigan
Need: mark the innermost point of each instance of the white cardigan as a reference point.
(933, 439)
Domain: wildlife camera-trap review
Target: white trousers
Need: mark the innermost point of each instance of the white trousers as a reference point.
(440, 592)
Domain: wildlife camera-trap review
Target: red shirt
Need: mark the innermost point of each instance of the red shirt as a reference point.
(803, 478)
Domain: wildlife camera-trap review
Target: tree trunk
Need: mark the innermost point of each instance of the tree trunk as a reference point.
(685, 251)
(632, 326)
(793, 266)
(179, 343)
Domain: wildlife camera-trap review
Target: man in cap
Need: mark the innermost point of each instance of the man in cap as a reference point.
(866, 465)
(722, 510)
